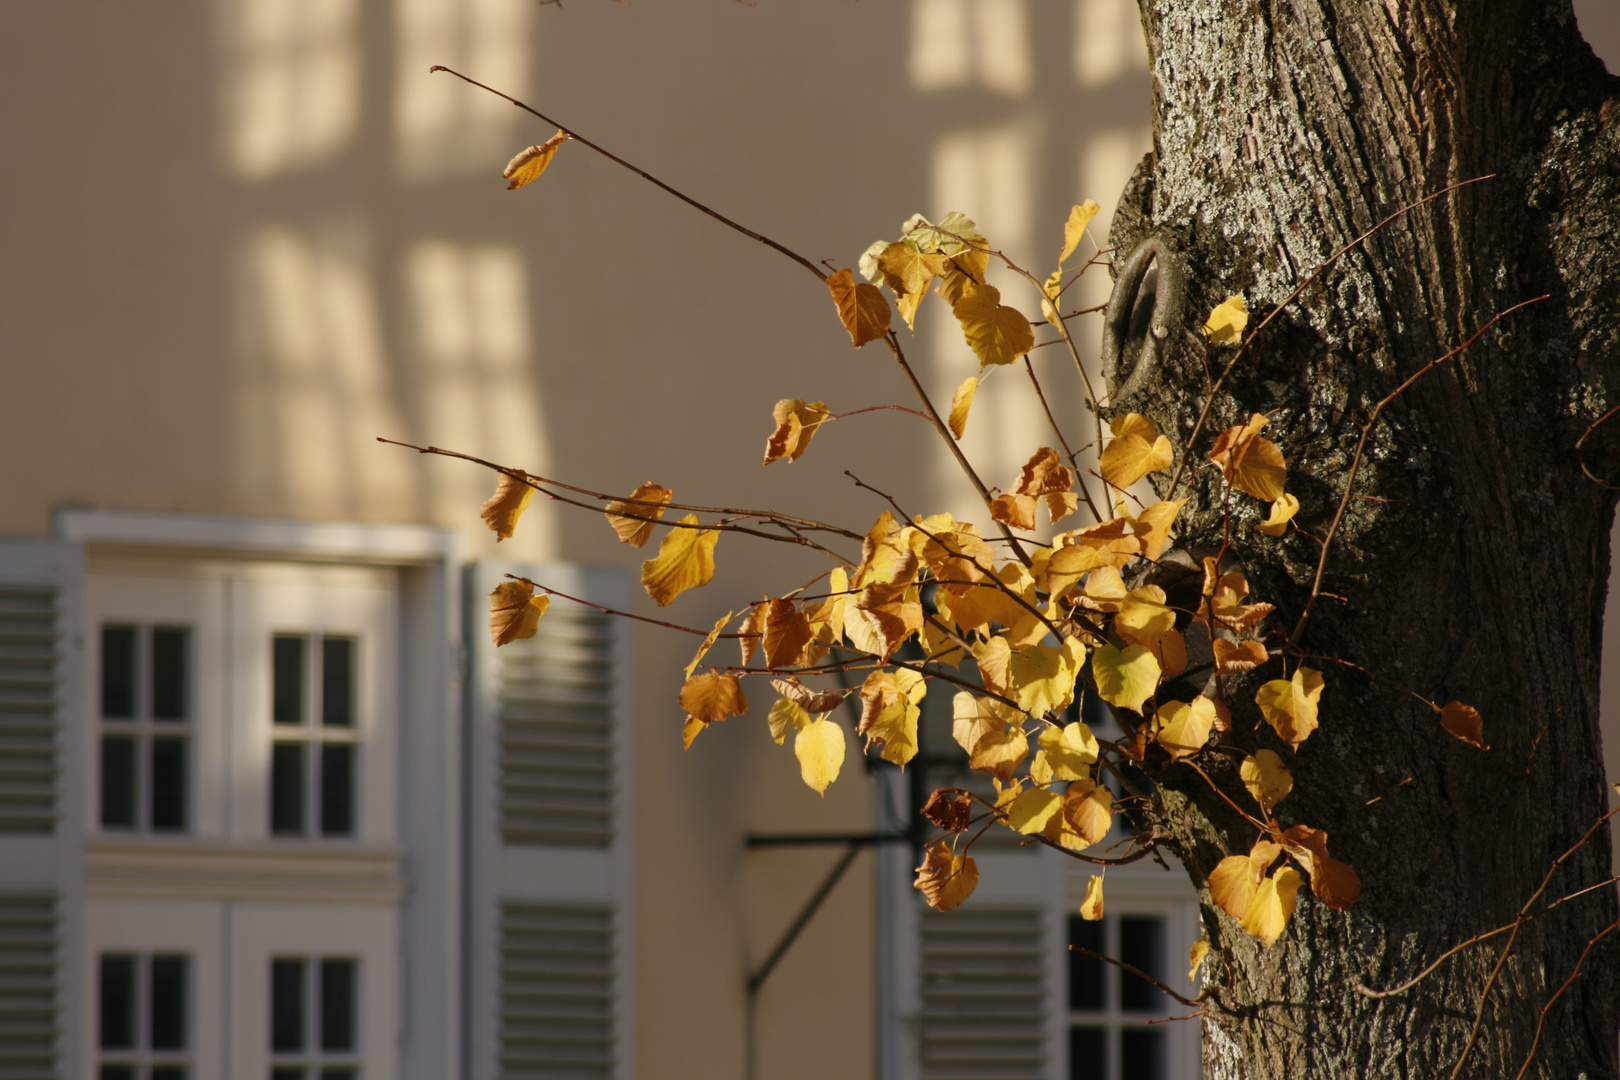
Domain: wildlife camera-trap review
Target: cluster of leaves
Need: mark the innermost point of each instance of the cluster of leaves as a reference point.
(1041, 621)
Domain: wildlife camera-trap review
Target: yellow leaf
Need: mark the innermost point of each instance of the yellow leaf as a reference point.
(1267, 778)
(1136, 450)
(1152, 526)
(751, 631)
(1015, 511)
(1144, 617)
(1333, 882)
(1033, 808)
(819, 746)
(796, 425)
(786, 716)
(1226, 322)
(996, 334)
(1041, 677)
(529, 163)
(1088, 807)
(693, 728)
(708, 643)
(1249, 462)
(1110, 544)
(1232, 658)
(1282, 512)
(635, 530)
(1091, 908)
(1079, 217)
(1125, 677)
(991, 733)
(1069, 751)
(1464, 722)
(961, 402)
(861, 307)
(502, 509)
(1273, 905)
(514, 611)
(1289, 705)
(685, 560)
(713, 696)
(787, 632)
(1184, 726)
(944, 879)
(908, 271)
(1235, 881)
(1195, 958)
(889, 712)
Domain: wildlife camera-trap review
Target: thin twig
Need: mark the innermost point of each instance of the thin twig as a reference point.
(1191, 1003)
(1079, 474)
(1541, 1022)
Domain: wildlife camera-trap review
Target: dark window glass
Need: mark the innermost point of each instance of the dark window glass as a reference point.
(1086, 987)
(168, 999)
(169, 784)
(1141, 944)
(167, 1072)
(1088, 1053)
(117, 1002)
(338, 1006)
(118, 781)
(284, 1073)
(337, 789)
(287, 679)
(337, 682)
(118, 1072)
(118, 671)
(338, 1074)
(287, 1006)
(169, 649)
(1142, 1054)
(287, 789)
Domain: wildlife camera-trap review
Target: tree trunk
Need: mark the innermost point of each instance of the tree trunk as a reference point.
(1473, 562)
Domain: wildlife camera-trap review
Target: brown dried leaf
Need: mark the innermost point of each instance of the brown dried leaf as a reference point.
(713, 696)
(1231, 658)
(796, 425)
(787, 632)
(1464, 722)
(529, 163)
(514, 611)
(949, 809)
(811, 701)
(502, 509)
(631, 530)
(944, 879)
(861, 308)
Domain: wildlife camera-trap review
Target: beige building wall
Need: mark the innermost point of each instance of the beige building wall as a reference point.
(243, 238)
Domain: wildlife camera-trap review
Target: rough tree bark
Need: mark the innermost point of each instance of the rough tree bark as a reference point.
(1475, 567)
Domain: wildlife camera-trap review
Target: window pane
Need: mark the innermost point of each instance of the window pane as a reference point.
(287, 1006)
(118, 1072)
(169, 784)
(117, 1002)
(338, 1074)
(337, 682)
(1142, 1054)
(338, 991)
(168, 998)
(167, 1072)
(1086, 987)
(286, 1074)
(169, 682)
(118, 671)
(287, 679)
(1141, 944)
(118, 781)
(287, 789)
(337, 789)
(1088, 1053)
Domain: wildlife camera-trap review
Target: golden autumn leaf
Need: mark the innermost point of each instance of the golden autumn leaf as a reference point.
(961, 402)
(1268, 779)
(635, 530)
(864, 312)
(690, 731)
(1136, 450)
(751, 631)
(685, 560)
(884, 617)
(992, 734)
(1464, 722)
(908, 271)
(1075, 228)
(796, 425)
(1184, 727)
(1249, 461)
(514, 611)
(1091, 908)
(1144, 617)
(787, 632)
(1088, 807)
(944, 879)
(811, 701)
(1289, 705)
(1112, 543)
(1226, 323)
(1237, 882)
(1273, 905)
(1152, 527)
(530, 162)
(713, 696)
(502, 509)
(1125, 677)
(819, 746)
(785, 716)
(1234, 657)
(1014, 511)
(996, 334)
(1227, 593)
(708, 643)
(1195, 958)
(1334, 882)
(1282, 512)
(889, 711)
(1070, 751)
(1041, 678)
(1032, 809)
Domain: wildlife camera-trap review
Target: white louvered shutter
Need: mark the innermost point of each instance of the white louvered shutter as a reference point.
(549, 906)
